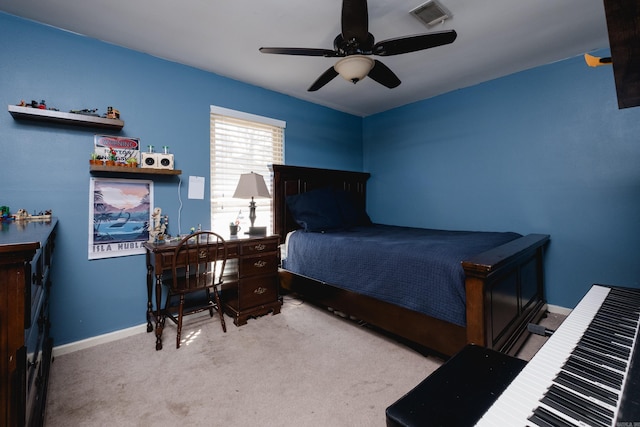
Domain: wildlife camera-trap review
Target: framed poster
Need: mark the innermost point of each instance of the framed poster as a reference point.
(119, 215)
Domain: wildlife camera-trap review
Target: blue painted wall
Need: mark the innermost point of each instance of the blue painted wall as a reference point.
(163, 103)
(541, 151)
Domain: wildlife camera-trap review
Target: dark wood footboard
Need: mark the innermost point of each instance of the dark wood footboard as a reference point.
(505, 291)
(504, 286)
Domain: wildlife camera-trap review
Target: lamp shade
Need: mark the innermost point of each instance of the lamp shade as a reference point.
(251, 185)
(354, 68)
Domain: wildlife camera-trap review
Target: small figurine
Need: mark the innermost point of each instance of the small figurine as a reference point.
(5, 214)
(157, 227)
(42, 105)
(86, 112)
(23, 215)
(112, 113)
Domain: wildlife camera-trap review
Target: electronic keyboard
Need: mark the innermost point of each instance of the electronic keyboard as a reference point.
(586, 374)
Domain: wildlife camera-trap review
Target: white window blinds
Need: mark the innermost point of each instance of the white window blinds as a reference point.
(241, 143)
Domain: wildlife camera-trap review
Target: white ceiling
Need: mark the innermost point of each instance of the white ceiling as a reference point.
(495, 38)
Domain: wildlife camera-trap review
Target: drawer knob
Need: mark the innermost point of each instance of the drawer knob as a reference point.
(260, 290)
(202, 253)
(260, 263)
(260, 247)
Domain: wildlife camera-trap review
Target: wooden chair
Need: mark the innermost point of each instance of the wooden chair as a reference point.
(198, 267)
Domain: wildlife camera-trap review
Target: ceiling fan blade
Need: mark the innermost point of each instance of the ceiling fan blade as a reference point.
(413, 43)
(383, 75)
(301, 51)
(355, 20)
(325, 78)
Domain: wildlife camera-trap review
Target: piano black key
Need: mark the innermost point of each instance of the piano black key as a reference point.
(603, 348)
(622, 312)
(629, 302)
(616, 319)
(621, 305)
(578, 407)
(629, 295)
(620, 330)
(608, 336)
(622, 294)
(573, 413)
(612, 326)
(586, 388)
(600, 358)
(544, 418)
(621, 352)
(599, 374)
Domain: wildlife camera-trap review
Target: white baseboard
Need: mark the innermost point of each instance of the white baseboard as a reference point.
(100, 339)
(134, 330)
(558, 309)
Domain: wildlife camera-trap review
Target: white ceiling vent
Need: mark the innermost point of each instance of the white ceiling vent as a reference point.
(431, 13)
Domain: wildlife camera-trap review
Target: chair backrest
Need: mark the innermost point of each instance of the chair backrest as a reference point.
(198, 261)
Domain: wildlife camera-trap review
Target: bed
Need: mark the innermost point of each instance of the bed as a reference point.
(500, 289)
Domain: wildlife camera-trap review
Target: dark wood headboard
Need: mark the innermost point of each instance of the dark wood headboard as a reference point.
(290, 180)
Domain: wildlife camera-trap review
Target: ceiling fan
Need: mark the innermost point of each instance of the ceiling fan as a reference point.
(355, 42)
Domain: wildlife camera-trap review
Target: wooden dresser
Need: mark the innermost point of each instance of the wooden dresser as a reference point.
(26, 250)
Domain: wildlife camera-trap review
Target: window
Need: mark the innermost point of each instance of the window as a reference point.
(241, 143)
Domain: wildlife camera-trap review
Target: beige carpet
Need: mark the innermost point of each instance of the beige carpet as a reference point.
(302, 367)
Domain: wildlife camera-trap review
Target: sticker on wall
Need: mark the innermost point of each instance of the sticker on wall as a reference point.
(119, 215)
(124, 147)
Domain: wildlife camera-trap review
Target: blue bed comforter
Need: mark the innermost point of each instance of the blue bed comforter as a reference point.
(419, 269)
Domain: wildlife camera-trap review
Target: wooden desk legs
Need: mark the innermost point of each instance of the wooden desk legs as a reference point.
(157, 314)
(149, 294)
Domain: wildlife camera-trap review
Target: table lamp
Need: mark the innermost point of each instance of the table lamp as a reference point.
(250, 186)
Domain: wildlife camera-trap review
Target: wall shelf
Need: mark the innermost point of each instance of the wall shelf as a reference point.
(36, 114)
(105, 170)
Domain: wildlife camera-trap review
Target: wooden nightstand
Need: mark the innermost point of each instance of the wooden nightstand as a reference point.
(255, 292)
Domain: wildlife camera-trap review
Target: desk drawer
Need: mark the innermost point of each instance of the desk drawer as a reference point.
(256, 265)
(260, 246)
(167, 257)
(258, 290)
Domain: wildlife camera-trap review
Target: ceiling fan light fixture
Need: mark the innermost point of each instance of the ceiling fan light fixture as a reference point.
(354, 68)
(431, 13)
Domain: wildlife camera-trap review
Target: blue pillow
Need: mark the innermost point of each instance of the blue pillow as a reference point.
(352, 215)
(316, 210)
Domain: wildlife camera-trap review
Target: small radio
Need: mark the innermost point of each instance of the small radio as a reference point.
(150, 160)
(165, 161)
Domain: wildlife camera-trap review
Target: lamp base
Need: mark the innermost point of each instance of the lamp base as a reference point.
(257, 231)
